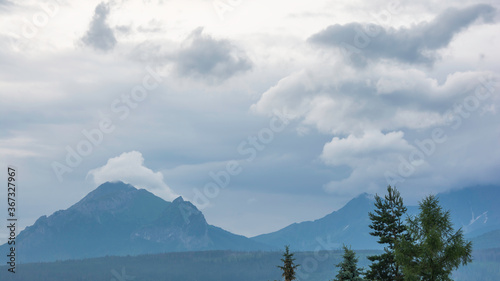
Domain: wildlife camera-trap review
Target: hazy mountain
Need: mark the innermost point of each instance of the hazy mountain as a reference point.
(118, 219)
(487, 240)
(348, 225)
(475, 210)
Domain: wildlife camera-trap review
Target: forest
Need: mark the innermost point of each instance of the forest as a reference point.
(220, 266)
(423, 247)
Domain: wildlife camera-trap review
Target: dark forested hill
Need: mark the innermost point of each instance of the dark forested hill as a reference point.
(219, 266)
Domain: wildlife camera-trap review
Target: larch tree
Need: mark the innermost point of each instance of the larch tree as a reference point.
(433, 249)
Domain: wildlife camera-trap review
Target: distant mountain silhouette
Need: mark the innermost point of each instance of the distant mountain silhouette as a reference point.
(348, 225)
(475, 209)
(118, 219)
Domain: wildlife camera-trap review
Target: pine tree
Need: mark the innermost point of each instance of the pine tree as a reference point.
(433, 249)
(288, 267)
(387, 224)
(348, 268)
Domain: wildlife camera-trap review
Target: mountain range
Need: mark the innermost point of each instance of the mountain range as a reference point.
(474, 209)
(118, 219)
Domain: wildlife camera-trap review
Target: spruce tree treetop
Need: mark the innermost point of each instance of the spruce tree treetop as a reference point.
(387, 224)
(288, 267)
(348, 268)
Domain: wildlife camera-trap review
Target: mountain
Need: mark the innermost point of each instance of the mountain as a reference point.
(118, 219)
(348, 225)
(474, 209)
(487, 240)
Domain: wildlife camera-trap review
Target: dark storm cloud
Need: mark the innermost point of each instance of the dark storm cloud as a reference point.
(100, 36)
(205, 57)
(412, 45)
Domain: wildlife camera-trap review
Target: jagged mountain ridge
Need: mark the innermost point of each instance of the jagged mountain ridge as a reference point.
(118, 219)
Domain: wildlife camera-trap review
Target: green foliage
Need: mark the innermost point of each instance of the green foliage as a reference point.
(388, 226)
(219, 266)
(288, 267)
(348, 268)
(432, 250)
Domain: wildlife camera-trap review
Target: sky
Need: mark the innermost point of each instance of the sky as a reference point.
(261, 113)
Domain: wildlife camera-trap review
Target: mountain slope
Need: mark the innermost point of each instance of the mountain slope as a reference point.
(474, 209)
(118, 219)
(487, 240)
(348, 225)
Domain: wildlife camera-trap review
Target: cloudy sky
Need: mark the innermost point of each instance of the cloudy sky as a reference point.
(263, 113)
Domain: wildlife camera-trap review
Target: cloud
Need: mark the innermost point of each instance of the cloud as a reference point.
(352, 150)
(293, 93)
(334, 104)
(20, 147)
(382, 97)
(369, 156)
(205, 57)
(417, 44)
(129, 168)
(100, 36)
(153, 26)
(376, 116)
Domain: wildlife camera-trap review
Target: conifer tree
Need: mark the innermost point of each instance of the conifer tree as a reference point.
(388, 226)
(348, 268)
(433, 249)
(288, 267)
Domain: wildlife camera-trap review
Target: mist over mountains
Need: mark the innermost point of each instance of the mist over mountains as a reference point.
(116, 219)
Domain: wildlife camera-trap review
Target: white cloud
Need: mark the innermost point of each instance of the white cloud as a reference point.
(293, 93)
(369, 156)
(353, 150)
(129, 168)
(350, 119)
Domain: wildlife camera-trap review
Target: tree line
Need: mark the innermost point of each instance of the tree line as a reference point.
(424, 247)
